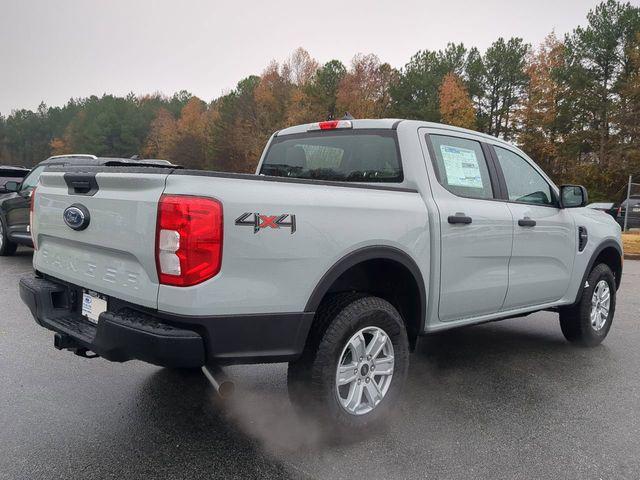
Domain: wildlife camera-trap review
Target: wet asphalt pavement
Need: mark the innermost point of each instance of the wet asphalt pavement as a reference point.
(504, 400)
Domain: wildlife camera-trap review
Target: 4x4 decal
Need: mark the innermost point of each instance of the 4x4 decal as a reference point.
(259, 222)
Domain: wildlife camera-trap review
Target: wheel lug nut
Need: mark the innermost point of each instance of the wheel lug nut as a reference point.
(359, 381)
(355, 370)
(367, 380)
(360, 358)
(373, 367)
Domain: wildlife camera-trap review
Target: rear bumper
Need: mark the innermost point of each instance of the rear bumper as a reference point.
(126, 332)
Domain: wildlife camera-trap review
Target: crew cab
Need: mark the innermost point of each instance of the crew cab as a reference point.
(352, 239)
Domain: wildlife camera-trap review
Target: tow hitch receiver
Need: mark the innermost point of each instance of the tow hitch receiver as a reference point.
(65, 342)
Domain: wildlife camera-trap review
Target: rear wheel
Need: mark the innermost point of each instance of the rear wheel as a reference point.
(587, 323)
(7, 247)
(355, 363)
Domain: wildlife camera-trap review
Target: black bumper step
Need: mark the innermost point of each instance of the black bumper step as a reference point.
(119, 336)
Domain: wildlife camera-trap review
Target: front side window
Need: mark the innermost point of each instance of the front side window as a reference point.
(461, 166)
(31, 180)
(524, 183)
(364, 156)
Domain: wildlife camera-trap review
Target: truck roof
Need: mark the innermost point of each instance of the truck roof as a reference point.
(391, 124)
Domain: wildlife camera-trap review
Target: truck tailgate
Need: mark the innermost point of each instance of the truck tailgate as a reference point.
(115, 254)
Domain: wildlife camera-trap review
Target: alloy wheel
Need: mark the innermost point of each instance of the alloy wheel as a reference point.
(365, 370)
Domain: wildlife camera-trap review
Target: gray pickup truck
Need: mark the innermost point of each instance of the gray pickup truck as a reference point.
(351, 240)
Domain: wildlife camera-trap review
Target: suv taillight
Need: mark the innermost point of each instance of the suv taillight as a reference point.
(188, 239)
(32, 201)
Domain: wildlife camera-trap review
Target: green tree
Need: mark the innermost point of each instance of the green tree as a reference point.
(598, 63)
(322, 90)
(415, 94)
(504, 83)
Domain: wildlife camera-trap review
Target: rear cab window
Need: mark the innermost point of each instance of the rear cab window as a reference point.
(461, 166)
(345, 156)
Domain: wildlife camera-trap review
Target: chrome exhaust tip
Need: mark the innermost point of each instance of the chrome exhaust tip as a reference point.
(219, 380)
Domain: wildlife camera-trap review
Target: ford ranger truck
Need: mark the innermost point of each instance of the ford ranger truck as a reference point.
(352, 239)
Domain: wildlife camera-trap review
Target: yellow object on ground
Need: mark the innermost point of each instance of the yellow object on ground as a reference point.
(631, 243)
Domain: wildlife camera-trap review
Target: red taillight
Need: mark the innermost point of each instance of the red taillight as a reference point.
(32, 202)
(188, 239)
(331, 125)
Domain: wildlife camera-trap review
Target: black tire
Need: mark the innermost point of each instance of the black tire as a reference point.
(312, 378)
(7, 247)
(575, 321)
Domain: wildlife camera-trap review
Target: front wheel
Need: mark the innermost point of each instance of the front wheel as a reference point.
(7, 247)
(587, 323)
(352, 373)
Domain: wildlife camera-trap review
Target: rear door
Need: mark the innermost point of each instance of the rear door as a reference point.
(544, 241)
(476, 229)
(115, 254)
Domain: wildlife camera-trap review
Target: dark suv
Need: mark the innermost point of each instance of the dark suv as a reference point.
(9, 173)
(633, 220)
(14, 206)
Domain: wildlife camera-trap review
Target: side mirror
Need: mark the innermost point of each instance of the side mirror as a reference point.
(12, 186)
(573, 196)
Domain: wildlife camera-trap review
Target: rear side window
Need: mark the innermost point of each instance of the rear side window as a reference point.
(524, 183)
(354, 156)
(461, 166)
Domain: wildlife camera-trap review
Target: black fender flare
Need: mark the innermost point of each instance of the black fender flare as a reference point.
(362, 255)
(599, 249)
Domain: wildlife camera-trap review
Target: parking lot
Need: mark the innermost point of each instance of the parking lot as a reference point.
(504, 400)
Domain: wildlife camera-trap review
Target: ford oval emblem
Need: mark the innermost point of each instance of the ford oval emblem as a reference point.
(76, 217)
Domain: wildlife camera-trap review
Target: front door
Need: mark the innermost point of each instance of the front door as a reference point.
(476, 230)
(544, 240)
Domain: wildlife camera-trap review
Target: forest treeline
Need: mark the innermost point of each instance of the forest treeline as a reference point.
(572, 103)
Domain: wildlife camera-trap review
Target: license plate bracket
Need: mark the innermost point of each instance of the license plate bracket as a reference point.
(93, 304)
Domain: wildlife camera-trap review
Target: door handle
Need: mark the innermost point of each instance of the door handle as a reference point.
(526, 222)
(459, 218)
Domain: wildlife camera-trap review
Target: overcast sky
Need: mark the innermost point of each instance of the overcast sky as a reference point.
(52, 50)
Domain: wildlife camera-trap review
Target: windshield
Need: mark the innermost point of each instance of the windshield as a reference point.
(32, 179)
(352, 156)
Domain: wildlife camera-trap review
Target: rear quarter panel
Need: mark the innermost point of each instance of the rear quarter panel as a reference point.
(275, 270)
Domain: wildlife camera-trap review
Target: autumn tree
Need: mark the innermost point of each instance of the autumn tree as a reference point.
(364, 90)
(540, 124)
(162, 136)
(300, 67)
(456, 108)
(190, 141)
